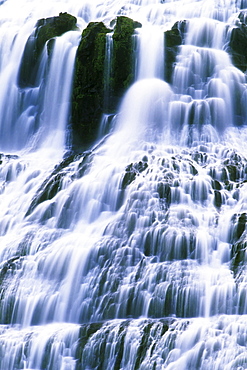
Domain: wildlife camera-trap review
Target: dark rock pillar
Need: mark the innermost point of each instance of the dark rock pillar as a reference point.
(89, 80)
(173, 39)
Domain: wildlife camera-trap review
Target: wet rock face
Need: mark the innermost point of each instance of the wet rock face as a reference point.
(45, 29)
(173, 39)
(132, 171)
(54, 182)
(238, 43)
(88, 91)
(239, 243)
(123, 61)
(89, 80)
(93, 346)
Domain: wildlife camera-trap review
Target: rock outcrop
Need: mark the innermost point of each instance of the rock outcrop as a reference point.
(173, 39)
(238, 43)
(45, 30)
(89, 80)
(88, 90)
(123, 58)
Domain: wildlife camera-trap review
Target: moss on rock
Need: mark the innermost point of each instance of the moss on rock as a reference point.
(89, 80)
(88, 91)
(173, 39)
(45, 29)
(123, 57)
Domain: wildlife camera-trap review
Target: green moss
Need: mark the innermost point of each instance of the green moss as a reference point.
(88, 91)
(48, 28)
(123, 58)
(45, 29)
(89, 80)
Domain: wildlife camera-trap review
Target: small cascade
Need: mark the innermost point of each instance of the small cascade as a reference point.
(143, 113)
(206, 32)
(29, 108)
(205, 81)
(151, 53)
(56, 106)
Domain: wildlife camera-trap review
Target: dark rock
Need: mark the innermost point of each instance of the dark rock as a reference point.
(173, 39)
(86, 331)
(89, 81)
(217, 198)
(238, 253)
(216, 185)
(93, 345)
(88, 90)
(239, 243)
(53, 184)
(132, 171)
(45, 29)
(123, 57)
(164, 190)
(236, 167)
(238, 43)
(239, 222)
(101, 334)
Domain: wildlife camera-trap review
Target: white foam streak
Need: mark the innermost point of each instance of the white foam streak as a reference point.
(56, 109)
(151, 53)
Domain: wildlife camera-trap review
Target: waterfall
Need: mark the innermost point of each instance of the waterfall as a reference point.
(132, 254)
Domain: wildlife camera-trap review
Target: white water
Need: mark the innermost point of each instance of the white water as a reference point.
(147, 262)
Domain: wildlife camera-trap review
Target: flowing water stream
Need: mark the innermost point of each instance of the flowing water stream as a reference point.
(138, 261)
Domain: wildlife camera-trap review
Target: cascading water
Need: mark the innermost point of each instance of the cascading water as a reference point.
(131, 255)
